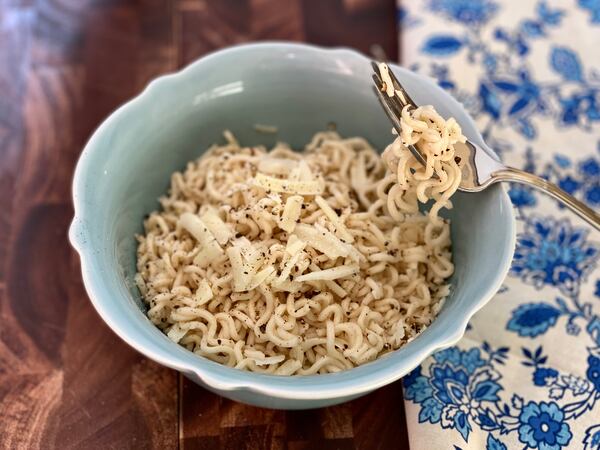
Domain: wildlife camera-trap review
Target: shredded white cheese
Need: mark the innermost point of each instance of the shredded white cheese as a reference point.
(216, 226)
(269, 360)
(322, 240)
(294, 245)
(340, 228)
(288, 186)
(246, 260)
(287, 268)
(176, 333)
(301, 172)
(287, 286)
(276, 166)
(328, 274)
(260, 277)
(241, 276)
(252, 256)
(210, 250)
(203, 294)
(291, 213)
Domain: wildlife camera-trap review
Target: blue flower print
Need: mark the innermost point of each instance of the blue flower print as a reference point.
(551, 251)
(508, 90)
(459, 391)
(449, 383)
(494, 444)
(566, 62)
(416, 386)
(542, 426)
(442, 45)
(572, 328)
(530, 88)
(470, 359)
(579, 107)
(590, 167)
(583, 179)
(462, 395)
(569, 184)
(512, 98)
(533, 319)
(592, 194)
(562, 161)
(593, 371)
(547, 15)
(409, 379)
(490, 100)
(521, 196)
(593, 6)
(543, 376)
(468, 12)
(592, 438)
(451, 355)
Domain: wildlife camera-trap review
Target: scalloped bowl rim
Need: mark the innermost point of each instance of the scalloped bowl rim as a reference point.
(267, 385)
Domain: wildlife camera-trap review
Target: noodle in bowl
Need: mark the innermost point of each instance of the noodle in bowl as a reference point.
(123, 169)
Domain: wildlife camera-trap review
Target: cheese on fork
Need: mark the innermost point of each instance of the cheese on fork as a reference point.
(387, 79)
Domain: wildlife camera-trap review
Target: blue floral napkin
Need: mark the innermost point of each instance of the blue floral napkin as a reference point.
(527, 373)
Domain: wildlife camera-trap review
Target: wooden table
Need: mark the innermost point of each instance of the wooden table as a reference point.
(66, 381)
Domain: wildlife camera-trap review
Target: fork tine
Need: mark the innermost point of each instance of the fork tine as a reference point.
(378, 81)
(391, 110)
(375, 67)
(394, 107)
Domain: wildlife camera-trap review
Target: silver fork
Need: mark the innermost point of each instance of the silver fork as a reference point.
(479, 169)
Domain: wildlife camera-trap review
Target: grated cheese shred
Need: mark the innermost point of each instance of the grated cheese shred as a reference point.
(210, 250)
(269, 183)
(291, 213)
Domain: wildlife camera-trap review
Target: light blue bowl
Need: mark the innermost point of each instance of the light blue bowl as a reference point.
(127, 163)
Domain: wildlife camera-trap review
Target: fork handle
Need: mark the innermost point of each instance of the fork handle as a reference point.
(578, 207)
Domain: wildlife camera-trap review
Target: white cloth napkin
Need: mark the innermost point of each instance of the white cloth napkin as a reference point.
(527, 373)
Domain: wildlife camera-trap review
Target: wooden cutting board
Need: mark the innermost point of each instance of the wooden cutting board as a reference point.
(66, 381)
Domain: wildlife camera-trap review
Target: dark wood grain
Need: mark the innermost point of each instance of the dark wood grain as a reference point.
(66, 381)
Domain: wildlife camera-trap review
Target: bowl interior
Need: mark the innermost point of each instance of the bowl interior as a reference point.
(128, 163)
